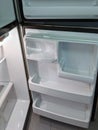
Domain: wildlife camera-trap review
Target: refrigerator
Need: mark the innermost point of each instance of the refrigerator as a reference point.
(48, 60)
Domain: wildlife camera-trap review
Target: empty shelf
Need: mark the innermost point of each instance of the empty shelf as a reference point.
(5, 89)
(80, 76)
(77, 61)
(18, 116)
(7, 103)
(63, 88)
(42, 56)
(40, 49)
(62, 110)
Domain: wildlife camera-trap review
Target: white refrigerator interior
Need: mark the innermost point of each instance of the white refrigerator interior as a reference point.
(60, 9)
(14, 97)
(62, 70)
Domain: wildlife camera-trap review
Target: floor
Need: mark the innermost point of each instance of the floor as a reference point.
(41, 123)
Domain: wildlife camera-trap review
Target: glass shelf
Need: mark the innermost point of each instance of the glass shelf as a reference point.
(41, 9)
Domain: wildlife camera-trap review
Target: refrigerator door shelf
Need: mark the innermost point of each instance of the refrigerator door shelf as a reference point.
(63, 110)
(7, 103)
(40, 49)
(4, 91)
(18, 115)
(40, 37)
(63, 88)
(76, 54)
(78, 77)
(44, 57)
(77, 61)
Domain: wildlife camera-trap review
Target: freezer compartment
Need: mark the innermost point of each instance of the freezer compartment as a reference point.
(44, 79)
(63, 110)
(40, 49)
(44, 9)
(7, 102)
(77, 61)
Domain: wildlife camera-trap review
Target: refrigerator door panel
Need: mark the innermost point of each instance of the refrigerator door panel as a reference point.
(15, 65)
(14, 98)
(11, 64)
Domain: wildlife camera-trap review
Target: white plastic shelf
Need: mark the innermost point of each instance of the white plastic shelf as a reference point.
(7, 103)
(17, 119)
(41, 56)
(63, 88)
(77, 61)
(76, 55)
(4, 91)
(63, 110)
(80, 76)
(40, 49)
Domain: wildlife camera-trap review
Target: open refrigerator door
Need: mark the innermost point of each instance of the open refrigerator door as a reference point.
(14, 97)
(62, 70)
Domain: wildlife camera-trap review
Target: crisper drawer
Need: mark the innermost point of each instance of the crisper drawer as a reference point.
(63, 110)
